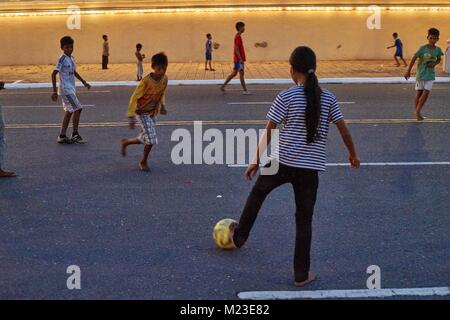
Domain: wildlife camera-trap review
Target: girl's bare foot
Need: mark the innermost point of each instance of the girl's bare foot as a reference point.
(123, 147)
(144, 166)
(311, 277)
(419, 117)
(6, 174)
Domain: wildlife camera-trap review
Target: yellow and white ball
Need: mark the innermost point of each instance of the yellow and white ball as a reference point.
(222, 235)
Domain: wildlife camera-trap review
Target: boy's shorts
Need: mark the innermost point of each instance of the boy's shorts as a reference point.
(148, 129)
(70, 103)
(239, 66)
(424, 85)
(399, 53)
(208, 55)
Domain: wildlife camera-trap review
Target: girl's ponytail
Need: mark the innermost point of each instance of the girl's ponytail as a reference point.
(303, 60)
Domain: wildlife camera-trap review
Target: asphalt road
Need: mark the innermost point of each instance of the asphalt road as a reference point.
(149, 235)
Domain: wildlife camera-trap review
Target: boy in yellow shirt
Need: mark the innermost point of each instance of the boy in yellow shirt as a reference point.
(146, 102)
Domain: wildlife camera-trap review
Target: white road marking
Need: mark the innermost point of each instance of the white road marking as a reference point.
(50, 92)
(369, 164)
(44, 106)
(367, 80)
(269, 103)
(215, 123)
(344, 294)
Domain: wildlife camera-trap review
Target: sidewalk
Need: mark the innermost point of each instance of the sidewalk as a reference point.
(196, 71)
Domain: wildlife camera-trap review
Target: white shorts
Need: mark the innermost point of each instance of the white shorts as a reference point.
(70, 103)
(424, 85)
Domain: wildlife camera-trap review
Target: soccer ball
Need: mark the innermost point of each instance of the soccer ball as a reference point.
(221, 234)
(216, 45)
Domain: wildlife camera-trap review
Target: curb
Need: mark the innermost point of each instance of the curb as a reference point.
(386, 80)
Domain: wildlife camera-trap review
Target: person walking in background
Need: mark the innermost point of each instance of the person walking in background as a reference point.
(208, 52)
(105, 55)
(399, 49)
(238, 58)
(140, 58)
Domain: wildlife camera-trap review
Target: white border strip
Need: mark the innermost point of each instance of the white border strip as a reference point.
(386, 80)
(343, 294)
(369, 164)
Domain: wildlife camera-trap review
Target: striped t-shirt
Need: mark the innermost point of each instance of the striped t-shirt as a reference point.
(289, 109)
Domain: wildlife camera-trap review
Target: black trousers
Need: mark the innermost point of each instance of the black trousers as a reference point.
(105, 62)
(305, 183)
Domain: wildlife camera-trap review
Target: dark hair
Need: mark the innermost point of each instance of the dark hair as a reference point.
(66, 41)
(208, 35)
(160, 59)
(395, 34)
(105, 36)
(138, 46)
(433, 32)
(303, 60)
(239, 25)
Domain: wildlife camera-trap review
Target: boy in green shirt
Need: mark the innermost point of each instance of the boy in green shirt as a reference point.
(429, 56)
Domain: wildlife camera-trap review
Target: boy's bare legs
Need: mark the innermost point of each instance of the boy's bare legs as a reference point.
(76, 120)
(231, 76)
(423, 98)
(143, 164)
(241, 77)
(65, 123)
(397, 64)
(206, 65)
(210, 67)
(416, 100)
(404, 61)
(125, 143)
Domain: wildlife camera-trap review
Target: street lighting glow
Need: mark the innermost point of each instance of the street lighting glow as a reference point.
(222, 9)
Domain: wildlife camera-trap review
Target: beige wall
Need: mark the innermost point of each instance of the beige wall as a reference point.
(35, 40)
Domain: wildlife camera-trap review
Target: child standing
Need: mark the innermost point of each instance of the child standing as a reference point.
(238, 58)
(399, 49)
(3, 174)
(140, 58)
(305, 110)
(429, 56)
(146, 102)
(208, 52)
(66, 68)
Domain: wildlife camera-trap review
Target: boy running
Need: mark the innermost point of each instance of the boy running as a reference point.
(305, 112)
(429, 56)
(238, 58)
(146, 102)
(399, 49)
(66, 68)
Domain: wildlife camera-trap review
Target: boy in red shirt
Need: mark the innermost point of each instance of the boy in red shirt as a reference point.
(239, 58)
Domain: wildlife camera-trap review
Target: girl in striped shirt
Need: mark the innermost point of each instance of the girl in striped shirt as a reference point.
(304, 112)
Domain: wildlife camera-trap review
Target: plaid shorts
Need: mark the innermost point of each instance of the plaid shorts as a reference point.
(148, 129)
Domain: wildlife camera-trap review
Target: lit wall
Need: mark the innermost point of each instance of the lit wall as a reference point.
(334, 35)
